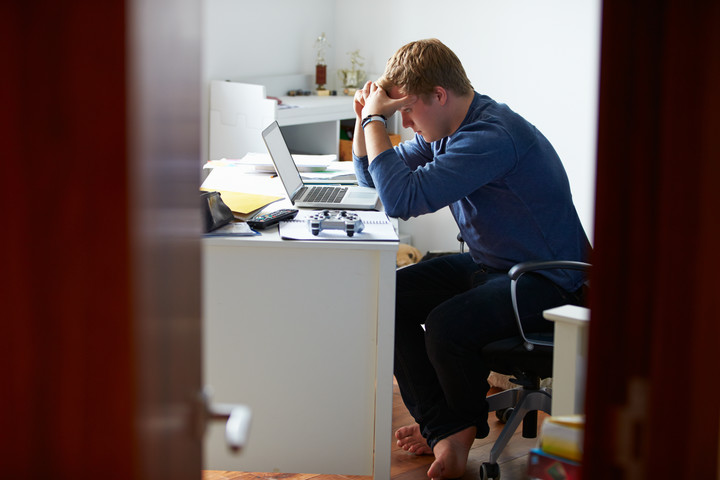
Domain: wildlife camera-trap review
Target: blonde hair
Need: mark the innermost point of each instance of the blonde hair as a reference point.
(418, 67)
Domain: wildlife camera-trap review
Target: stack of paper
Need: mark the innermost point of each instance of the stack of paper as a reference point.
(305, 163)
(336, 173)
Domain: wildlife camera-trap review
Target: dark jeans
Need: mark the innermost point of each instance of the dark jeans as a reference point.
(464, 306)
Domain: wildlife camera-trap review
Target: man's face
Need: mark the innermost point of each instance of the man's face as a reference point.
(420, 116)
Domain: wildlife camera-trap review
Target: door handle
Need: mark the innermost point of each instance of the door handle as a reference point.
(237, 419)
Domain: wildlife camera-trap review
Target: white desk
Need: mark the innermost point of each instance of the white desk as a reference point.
(569, 358)
(302, 333)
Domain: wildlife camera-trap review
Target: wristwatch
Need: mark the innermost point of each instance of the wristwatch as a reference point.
(374, 118)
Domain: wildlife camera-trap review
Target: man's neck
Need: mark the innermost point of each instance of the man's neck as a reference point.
(459, 109)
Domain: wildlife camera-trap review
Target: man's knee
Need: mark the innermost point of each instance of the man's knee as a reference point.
(443, 333)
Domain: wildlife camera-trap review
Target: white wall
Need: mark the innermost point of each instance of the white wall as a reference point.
(541, 58)
(253, 38)
(264, 37)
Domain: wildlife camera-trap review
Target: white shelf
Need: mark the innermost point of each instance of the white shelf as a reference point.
(240, 111)
(314, 109)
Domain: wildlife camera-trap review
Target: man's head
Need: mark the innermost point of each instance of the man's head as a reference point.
(434, 86)
(420, 66)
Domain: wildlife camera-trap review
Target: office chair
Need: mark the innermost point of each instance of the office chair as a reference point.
(529, 358)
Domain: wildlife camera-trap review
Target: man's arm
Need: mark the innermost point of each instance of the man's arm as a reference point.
(358, 146)
(377, 139)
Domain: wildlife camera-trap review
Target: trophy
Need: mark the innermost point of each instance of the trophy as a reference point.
(321, 43)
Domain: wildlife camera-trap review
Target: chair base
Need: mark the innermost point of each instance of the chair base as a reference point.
(525, 402)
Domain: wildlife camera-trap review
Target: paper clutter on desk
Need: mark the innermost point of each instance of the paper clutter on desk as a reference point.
(245, 203)
(305, 163)
(244, 193)
(233, 229)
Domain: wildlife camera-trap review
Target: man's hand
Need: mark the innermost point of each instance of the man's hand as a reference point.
(373, 100)
(376, 101)
(359, 102)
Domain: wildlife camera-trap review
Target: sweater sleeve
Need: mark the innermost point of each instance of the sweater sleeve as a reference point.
(360, 164)
(417, 178)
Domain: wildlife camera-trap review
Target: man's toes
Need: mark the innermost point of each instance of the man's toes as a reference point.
(403, 432)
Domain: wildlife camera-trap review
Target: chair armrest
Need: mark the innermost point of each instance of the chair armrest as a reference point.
(519, 270)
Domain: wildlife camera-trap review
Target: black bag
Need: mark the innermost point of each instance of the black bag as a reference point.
(215, 212)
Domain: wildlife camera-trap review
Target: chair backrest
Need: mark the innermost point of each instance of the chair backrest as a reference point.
(518, 271)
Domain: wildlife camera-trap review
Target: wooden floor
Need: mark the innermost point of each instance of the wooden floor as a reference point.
(405, 466)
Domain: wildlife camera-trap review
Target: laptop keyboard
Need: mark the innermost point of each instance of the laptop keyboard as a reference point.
(325, 194)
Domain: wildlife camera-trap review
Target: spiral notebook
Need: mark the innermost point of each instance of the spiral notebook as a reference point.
(378, 228)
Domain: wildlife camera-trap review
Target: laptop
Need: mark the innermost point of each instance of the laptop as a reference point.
(313, 196)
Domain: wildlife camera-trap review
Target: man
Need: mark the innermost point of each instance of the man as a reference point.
(509, 194)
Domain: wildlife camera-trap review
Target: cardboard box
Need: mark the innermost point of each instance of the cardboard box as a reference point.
(345, 150)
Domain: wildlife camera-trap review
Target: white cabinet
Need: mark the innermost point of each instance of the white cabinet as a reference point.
(239, 112)
(569, 358)
(302, 333)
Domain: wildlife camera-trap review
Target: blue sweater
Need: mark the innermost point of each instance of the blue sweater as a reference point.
(501, 178)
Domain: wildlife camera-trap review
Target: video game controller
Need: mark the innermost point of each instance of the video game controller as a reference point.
(335, 220)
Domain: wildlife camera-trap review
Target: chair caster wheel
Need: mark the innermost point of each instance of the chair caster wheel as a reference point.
(503, 415)
(489, 470)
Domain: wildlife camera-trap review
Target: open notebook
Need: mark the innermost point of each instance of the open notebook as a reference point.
(377, 227)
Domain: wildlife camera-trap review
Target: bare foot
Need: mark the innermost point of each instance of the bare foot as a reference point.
(451, 455)
(410, 439)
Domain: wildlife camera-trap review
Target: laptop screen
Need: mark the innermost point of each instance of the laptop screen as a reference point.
(282, 159)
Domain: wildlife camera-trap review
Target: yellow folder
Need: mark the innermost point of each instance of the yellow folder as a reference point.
(244, 203)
